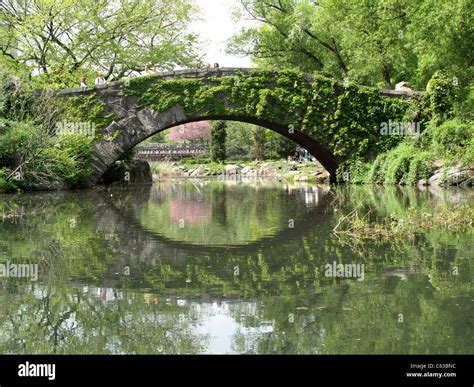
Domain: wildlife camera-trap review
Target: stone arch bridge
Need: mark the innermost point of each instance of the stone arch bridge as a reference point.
(332, 120)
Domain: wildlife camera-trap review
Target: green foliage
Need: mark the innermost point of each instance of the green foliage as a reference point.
(442, 95)
(403, 164)
(421, 167)
(376, 43)
(158, 138)
(31, 155)
(394, 229)
(218, 141)
(64, 41)
(14, 98)
(239, 142)
(87, 108)
(13, 136)
(278, 146)
(31, 158)
(242, 145)
(453, 140)
(464, 108)
(397, 163)
(6, 185)
(259, 138)
(376, 171)
(212, 167)
(354, 171)
(75, 153)
(414, 159)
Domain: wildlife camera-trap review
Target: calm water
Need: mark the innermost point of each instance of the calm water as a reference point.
(227, 267)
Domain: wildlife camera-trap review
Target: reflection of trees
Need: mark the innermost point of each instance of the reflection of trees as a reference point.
(89, 238)
(396, 200)
(59, 320)
(240, 214)
(190, 212)
(218, 198)
(364, 322)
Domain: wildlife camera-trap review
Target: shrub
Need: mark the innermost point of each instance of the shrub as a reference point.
(239, 142)
(420, 168)
(397, 163)
(442, 92)
(452, 139)
(14, 101)
(30, 158)
(354, 171)
(76, 153)
(376, 173)
(13, 139)
(6, 185)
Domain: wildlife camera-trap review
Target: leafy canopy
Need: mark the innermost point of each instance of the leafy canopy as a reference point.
(62, 39)
(373, 42)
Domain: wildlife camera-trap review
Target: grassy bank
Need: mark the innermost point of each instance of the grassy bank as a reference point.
(417, 159)
(32, 159)
(393, 227)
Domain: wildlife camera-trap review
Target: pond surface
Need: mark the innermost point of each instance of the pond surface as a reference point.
(210, 266)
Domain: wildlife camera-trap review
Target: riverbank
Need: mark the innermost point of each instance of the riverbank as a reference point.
(281, 169)
(442, 155)
(440, 175)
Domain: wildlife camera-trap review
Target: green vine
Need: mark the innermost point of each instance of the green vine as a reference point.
(87, 109)
(346, 119)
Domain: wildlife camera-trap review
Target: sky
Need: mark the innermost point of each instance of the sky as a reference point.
(216, 27)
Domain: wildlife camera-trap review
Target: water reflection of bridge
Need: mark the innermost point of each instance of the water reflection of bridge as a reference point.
(158, 152)
(126, 242)
(143, 247)
(129, 204)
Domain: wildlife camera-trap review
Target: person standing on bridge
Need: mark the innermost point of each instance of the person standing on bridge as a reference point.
(403, 86)
(179, 67)
(100, 80)
(151, 70)
(84, 83)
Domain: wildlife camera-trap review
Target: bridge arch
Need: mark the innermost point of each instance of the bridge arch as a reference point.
(331, 120)
(148, 124)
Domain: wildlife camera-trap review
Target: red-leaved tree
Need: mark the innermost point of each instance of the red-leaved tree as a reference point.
(193, 132)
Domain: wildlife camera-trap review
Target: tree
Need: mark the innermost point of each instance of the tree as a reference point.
(288, 35)
(278, 146)
(158, 138)
(443, 37)
(61, 39)
(218, 141)
(239, 144)
(260, 137)
(376, 43)
(193, 132)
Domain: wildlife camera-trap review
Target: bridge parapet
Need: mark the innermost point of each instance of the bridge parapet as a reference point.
(167, 75)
